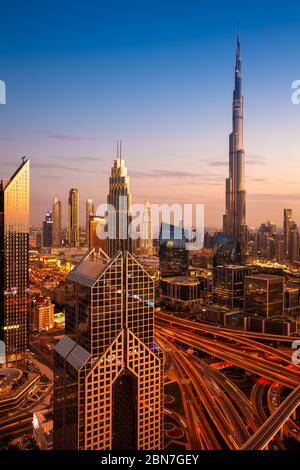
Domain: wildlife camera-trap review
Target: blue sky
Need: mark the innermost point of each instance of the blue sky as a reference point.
(159, 76)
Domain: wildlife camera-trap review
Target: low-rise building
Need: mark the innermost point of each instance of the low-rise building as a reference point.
(41, 313)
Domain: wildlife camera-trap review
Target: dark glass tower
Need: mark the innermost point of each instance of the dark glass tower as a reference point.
(14, 263)
(173, 255)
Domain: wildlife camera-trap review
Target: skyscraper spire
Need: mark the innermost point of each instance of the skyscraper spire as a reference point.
(234, 220)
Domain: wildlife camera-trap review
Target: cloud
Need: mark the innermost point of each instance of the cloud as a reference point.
(67, 137)
(47, 166)
(249, 160)
(177, 174)
(274, 197)
(257, 180)
(50, 177)
(81, 159)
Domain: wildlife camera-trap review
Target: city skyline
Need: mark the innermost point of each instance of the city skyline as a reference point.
(174, 98)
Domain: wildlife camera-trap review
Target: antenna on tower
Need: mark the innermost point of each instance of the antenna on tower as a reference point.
(120, 149)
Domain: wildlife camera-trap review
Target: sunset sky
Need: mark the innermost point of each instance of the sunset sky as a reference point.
(159, 75)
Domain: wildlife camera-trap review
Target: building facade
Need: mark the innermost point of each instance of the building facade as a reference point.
(73, 217)
(234, 220)
(108, 386)
(47, 230)
(173, 253)
(56, 227)
(41, 313)
(14, 263)
(89, 212)
(264, 295)
(119, 203)
(228, 285)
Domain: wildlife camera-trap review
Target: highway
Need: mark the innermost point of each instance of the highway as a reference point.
(272, 425)
(239, 421)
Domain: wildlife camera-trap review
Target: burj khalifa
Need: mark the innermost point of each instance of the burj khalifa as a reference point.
(234, 220)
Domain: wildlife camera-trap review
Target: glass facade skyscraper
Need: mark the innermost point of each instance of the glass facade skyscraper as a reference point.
(73, 217)
(14, 263)
(173, 255)
(108, 385)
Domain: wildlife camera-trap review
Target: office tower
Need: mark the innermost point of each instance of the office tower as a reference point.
(173, 254)
(14, 263)
(234, 220)
(89, 212)
(38, 239)
(293, 244)
(108, 371)
(56, 227)
(264, 295)
(228, 285)
(47, 230)
(119, 200)
(96, 226)
(226, 250)
(271, 248)
(73, 217)
(146, 240)
(280, 255)
(287, 221)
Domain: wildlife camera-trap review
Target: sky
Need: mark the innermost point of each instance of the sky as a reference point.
(159, 75)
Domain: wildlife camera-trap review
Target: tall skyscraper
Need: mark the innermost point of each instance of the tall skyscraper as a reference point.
(14, 263)
(89, 212)
(287, 222)
(119, 199)
(293, 247)
(56, 227)
(108, 371)
(146, 240)
(73, 217)
(47, 230)
(234, 220)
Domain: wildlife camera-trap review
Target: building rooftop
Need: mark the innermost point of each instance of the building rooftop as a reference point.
(267, 277)
(182, 280)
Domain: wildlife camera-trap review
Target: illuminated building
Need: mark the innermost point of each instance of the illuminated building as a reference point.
(173, 255)
(41, 313)
(43, 429)
(89, 212)
(47, 230)
(38, 240)
(73, 217)
(291, 300)
(264, 295)
(287, 221)
(56, 227)
(108, 372)
(119, 200)
(14, 263)
(97, 225)
(146, 240)
(184, 289)
(228, 285)
(234, 220)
